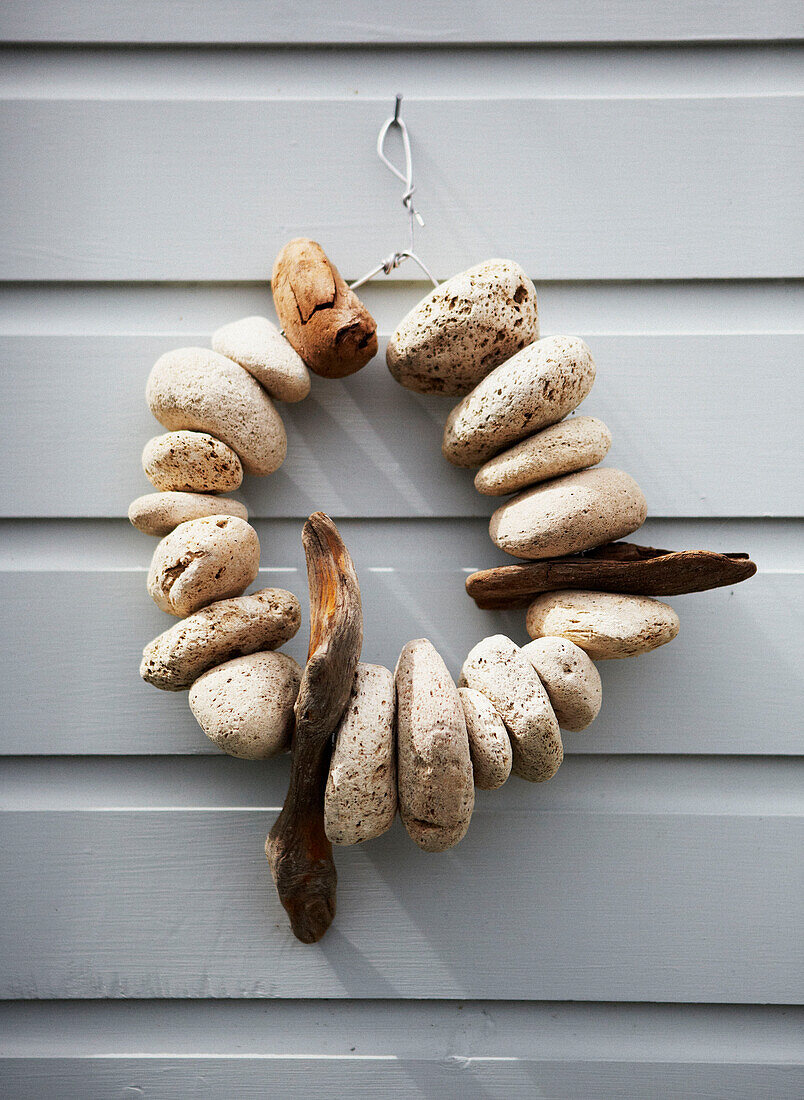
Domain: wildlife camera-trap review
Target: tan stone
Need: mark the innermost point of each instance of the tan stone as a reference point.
(573, 444)
(360, 799)
(570, 679)
(604, 624)
(569, 514)
(489, 743)
(497, 668)
(160, 513)
(197, 389)
(434, 769)
(464, 328)
(191, 462)
(201, 561)
(261, 349)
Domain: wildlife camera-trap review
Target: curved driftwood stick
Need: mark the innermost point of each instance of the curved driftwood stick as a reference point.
(297, 848)
(616, 567)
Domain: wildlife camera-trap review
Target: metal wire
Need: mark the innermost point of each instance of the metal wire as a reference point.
(393, 261)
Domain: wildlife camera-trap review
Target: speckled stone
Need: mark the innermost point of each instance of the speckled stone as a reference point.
(360, 798)
(570, 679)
(261, 349)
(203, 560)
(536, 387)
(497, 668)
(604, 624)
(573, 444)
(465, 328)
(229, 628)
(160, 513)
(191, 462)
(434, 769)
(569, 514)
(489, 743)
(246, 705)
(200, 390)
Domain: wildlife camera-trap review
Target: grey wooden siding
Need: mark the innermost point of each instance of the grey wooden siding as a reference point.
(631, 929)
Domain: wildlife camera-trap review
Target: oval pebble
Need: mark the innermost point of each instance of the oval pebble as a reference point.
(191, 462)
(360, 798)
(160, 513)
(563, 448)
(228, 628)
(434, 769)
(536, 387)
(200, 390)
(201, 561)
(261, 349)
(489, 743)
(497, 668)
(605, 625)
(246, 705)
(570, 679)
(464, 328)
(569, 514)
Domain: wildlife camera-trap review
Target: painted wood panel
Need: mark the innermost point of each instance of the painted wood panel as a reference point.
(420, 22)
(570, 905)
(188, 189)
(71, 683)
(689, 421)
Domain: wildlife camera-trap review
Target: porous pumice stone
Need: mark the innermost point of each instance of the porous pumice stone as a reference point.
(191, 462)
(464, 328)
(489, 743)
(261, 349)
(228, 628)
(160, 513)
(201, 561)
(200, 390)
(563, 448)
(570, 679)
(360, 797)
(534, 388)
(434, 769)
(569, 514)
(246, 705)
(605, 625)
(497, 668)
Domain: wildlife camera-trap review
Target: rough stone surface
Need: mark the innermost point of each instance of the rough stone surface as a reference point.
(434, 769)
(489, 743)
(497, 668)
(160, 513)
(191, 462)
(360, 799)
(229, 628)
(573, 444)
(261, 349)
(569, 514)
(570, 679)
(534, 388)
(604, 624)
(201, 561)
(200, 390)
(246, 705)
(465, 328)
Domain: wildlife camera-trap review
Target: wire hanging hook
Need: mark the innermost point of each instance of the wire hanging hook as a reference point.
(396, 258)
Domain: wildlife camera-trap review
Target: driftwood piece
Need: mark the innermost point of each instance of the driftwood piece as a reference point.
(616, 567)
(321, 316)
(297, 848)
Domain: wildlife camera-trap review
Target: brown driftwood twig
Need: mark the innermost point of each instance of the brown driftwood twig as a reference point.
(616, 567)
(297, 848)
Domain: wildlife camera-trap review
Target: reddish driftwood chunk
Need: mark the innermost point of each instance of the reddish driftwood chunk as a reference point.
(297, 848)
(321, 316)
(616, 567)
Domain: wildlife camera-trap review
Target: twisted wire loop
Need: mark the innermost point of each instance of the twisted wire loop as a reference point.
(393, 261)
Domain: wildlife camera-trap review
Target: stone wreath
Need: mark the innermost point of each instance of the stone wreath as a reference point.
(366, 741)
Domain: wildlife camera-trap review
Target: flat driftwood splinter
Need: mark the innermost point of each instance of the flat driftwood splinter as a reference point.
(297, 848)
(616, 567)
